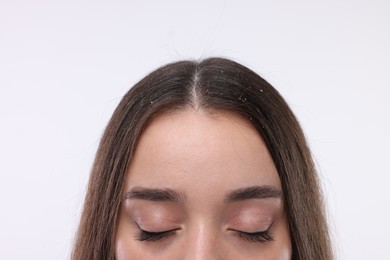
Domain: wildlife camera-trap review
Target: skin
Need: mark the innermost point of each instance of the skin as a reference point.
(203, 157)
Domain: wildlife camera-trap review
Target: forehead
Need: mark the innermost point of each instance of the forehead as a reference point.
(199, 150)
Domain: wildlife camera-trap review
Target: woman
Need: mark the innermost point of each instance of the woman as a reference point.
(203, 160)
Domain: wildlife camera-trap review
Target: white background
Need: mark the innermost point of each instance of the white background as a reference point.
(64, 66)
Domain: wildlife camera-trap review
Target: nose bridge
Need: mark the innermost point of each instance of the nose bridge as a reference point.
(202, 243)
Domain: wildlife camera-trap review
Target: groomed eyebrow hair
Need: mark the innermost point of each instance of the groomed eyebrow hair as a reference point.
(154, 194)
(254, 192)
(247, 193)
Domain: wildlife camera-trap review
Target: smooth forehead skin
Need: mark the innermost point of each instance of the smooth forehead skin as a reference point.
(219, 149)
(203, 155)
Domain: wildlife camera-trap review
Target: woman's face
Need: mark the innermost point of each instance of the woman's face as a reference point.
(202, 185)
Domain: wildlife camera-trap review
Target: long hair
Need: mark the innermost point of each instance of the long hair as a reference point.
(215, 84)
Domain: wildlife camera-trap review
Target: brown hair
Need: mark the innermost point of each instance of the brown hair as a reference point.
(214, 83)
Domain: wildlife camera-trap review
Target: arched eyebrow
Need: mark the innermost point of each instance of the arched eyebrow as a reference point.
(254, 192)
(154, 194)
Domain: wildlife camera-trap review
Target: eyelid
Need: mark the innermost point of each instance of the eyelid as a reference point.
(158, 232)
(153, 236)
(257, 236)
(261, 237)
(144, 235)
(154, 232)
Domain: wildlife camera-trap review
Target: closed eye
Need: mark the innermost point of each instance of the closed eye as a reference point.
(261, 236)
(144, 235)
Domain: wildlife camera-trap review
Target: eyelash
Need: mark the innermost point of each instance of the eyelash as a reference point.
(144, 235)
(261, 237)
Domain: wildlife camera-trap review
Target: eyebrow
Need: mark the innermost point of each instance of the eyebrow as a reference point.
(254, 192)
(154, 194)
(247, 193)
